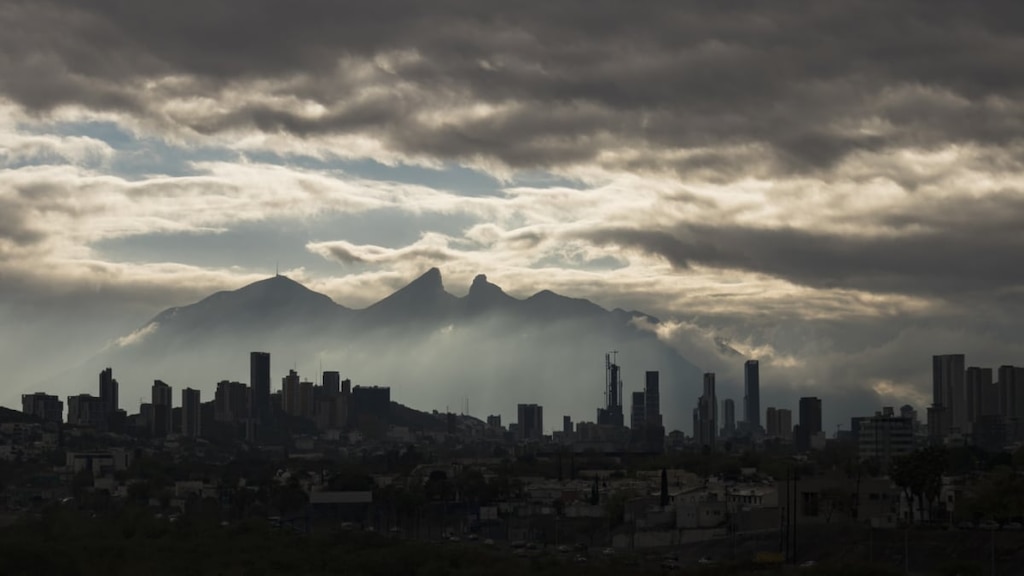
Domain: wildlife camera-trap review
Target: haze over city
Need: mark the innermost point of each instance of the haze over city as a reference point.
(834, 190)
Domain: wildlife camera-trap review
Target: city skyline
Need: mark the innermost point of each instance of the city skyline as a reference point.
(836, 416)
(993, 415)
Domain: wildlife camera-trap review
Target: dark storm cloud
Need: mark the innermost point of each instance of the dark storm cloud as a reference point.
(954, 249)
(573, 77)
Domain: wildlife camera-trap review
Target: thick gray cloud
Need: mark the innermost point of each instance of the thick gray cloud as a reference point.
(960, 255)
(811, 82)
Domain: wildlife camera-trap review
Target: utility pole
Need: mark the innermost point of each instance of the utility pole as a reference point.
(796, 509)
(993, 552)
(906, 549)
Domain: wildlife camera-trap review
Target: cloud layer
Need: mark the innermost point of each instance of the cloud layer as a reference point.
(834, 187)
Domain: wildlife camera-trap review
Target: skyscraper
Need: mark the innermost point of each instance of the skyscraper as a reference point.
(652, 399)
(729, 416)
(291, 394)
(785, 424)
(531, 421)
(949, 409)
(636, 414)
(43, 406)
(190, 413)
(981, 397)
(108, 391)
(752, 394)
(259, 381)
(332, 383)
(162, 408)
(810, 422)
(707, 416)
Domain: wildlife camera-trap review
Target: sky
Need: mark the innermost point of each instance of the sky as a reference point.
(834, 188)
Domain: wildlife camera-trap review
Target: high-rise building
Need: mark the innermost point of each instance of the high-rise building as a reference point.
(259, 381)
(108, 391)
(191, 416)
(332, 383)
(652, 399)
(611, 414)
(291, 394)
(494, 421)
(637, 411)
(567, 424)
(373, 401)
(1011, 400)
(779, 423)
(752, 394)
(530, 421)
(784, 428)
(729, 415)
(948, 395)
(231, 402)
(810, 422)
(771, 422)
(43, 406)
(981, 396)
(161, 424)
(86, 410)
(707, 417)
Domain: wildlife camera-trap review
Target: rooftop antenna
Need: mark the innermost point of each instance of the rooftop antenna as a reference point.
(277, 269)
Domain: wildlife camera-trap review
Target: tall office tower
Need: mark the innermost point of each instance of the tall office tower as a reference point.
(291, 394)
(494, 421)
(652, 399)
(346, 387)
(1011, 399)
(108, 391)
(752, 394)
(637, 411)
(306, 399)
(531, 421)
(980, 398)
(729, 415)
(611, 414)
(86, 410)
(231, 402)
(43, 406)
(771, 422)
(259, 381)
(810, 422)
(332, 383)
(161, 422)
(191, 415)
(785, 424)
(567, 424)
(948, 395)
(707, 406)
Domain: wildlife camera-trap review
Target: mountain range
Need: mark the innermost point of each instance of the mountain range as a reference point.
(435, 350)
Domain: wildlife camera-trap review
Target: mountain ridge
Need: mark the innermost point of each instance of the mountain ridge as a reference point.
(431, 347)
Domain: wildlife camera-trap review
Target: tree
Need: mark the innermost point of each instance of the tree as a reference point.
(919, 474)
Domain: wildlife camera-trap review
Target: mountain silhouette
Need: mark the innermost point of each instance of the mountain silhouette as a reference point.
(434, 349)
(423, 298)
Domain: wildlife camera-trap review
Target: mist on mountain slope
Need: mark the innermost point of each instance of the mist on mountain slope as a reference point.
(434, 350)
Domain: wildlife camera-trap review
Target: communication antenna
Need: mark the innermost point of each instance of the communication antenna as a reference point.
(277, 269)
